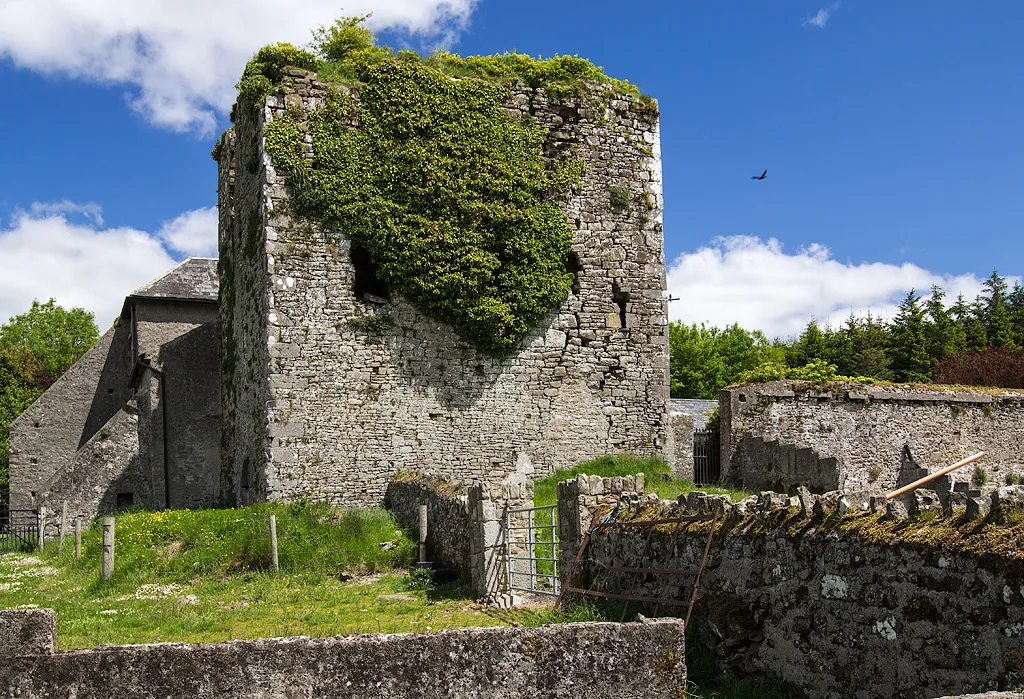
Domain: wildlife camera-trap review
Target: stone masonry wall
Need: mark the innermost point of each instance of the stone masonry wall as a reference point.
(328, 403)
(578, 500)
(46, 436)
(448, 521)
(853, 435)
(829, 614)
(624, 661)
(243, 274)
(108, 465)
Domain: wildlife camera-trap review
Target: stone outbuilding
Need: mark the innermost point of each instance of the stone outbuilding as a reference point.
(137, 419)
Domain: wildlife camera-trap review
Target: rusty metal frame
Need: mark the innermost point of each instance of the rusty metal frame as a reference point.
(662, 599)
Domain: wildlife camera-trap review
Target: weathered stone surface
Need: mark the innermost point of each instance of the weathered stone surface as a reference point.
(624, 661)
(448, 517)
(838, 618)
(781, 435)
(28, 632)
(386, 388)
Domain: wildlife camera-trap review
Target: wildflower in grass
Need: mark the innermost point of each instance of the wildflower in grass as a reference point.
(108, 612)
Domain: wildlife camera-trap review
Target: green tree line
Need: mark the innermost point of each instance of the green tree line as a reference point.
(36, 347)
(977, 342)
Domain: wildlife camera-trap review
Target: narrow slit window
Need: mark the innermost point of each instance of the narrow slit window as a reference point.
(620, 298)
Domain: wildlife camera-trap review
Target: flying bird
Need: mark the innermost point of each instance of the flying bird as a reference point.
(760, 177)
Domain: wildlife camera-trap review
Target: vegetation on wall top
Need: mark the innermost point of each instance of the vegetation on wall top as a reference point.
(450, 195)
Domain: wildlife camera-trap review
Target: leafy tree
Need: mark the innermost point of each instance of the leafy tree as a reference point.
(57, 337)
(909, 348)
(941, 331)
(1015, 305)
(969, 320)
(995, 366)
(705, 360)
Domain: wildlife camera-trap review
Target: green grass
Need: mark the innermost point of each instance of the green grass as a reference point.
(204, 576)
(657, 478)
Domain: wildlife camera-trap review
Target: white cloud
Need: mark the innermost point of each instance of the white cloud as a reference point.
(183, 57)
(193, 232)
(745, 280)
(83, 264)
(821, 18)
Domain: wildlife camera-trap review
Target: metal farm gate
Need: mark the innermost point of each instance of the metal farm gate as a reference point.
(531, 536)
(706, 464)
(19, 530)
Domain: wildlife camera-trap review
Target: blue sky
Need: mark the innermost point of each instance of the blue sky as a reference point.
(890, 131)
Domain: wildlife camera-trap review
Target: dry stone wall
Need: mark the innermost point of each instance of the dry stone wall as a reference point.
(329, 395)
(448, 520)
(579, 500)
(787, 596)
(851, 437)
(625, 661)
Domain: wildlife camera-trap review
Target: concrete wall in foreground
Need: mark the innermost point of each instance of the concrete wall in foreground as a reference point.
(641, 660)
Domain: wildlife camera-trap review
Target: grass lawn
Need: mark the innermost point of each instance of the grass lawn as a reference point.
(657, 478)
(204, 576)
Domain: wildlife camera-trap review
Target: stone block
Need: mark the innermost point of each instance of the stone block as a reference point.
(925, 502)
(1010, 495)
(978, 507)
(956, 503)
(896, 509)
(27, 632)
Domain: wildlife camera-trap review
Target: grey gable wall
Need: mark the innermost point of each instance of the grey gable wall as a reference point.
(318, 404)
(46, 436)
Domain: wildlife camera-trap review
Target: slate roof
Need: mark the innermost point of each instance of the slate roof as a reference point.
(695, 408)
(195, 279)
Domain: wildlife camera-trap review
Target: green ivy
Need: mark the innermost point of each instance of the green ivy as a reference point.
(450, 195)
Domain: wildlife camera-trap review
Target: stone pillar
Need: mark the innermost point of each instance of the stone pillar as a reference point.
(578, 502)
(488, 506)
(681, 427)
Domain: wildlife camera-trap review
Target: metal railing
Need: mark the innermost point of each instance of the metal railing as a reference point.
(19, 530)
(706, 464)
(531, 535)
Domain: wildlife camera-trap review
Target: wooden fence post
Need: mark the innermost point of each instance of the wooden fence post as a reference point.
(273, 544)
(63, 528)
(42, 526)
(108, 547)
(78, 539)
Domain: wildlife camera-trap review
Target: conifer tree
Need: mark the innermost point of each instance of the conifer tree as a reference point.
(998, 328)
(909, 348)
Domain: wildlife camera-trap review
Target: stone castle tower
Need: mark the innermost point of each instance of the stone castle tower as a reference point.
(332, 382)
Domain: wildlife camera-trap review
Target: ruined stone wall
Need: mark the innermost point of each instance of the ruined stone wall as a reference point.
(352, 390)
(45, 438)
(244, 296)
(192, 373)
(629, 660)
(448, 520)
(850, 437)
(831, 615)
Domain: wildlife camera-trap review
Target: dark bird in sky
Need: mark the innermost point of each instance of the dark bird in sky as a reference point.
(760, 177)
